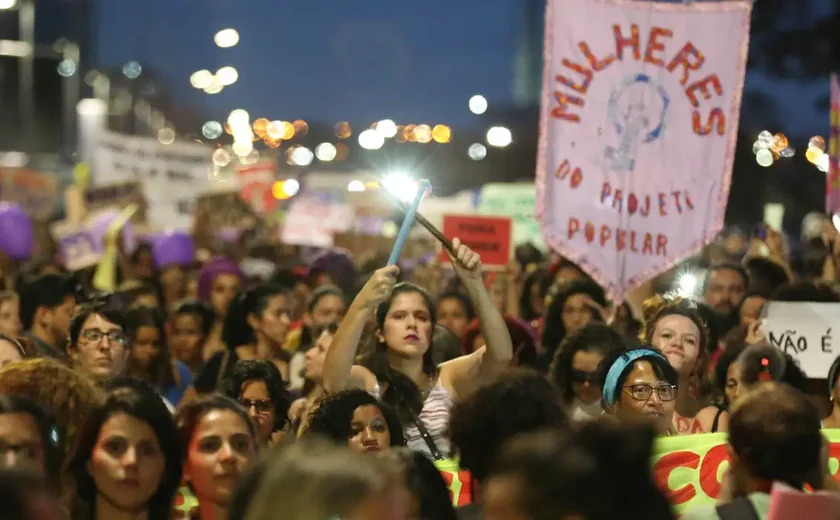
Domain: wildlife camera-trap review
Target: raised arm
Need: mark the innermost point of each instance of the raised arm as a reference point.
(499, 352)
(342, 352)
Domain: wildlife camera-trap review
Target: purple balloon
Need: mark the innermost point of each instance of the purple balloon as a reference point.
(16, 234)
(99, 228)
(173, 248)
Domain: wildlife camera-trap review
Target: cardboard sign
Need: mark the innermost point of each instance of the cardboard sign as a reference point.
(255, 183)
(638, 123)
(808, 331)
(35, 192)
(120, 195)
(488, 236)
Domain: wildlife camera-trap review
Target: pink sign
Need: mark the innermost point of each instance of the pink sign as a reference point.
(638, 124)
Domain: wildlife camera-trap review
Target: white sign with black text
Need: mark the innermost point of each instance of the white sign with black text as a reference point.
(173, 175)
(808, 331)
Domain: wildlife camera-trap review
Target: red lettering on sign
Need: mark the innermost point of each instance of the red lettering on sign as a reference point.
(709, 470)
(641, 242)
(668, 463)
(689, 58)
(654, 45)
(716, 119)
(621, 42)
(596, 64)
(563, 171)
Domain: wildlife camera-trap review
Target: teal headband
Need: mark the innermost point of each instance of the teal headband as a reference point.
(610, 390)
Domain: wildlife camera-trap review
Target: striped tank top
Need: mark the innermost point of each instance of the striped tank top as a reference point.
(435, 417)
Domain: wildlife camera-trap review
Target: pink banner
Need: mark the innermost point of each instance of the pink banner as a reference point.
(832, 191)
(638, 125)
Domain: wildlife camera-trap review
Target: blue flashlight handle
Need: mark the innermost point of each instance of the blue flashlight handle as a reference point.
(406, 224)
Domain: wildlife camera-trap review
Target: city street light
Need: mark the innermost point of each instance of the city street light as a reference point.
(225, 38)
(7, 4)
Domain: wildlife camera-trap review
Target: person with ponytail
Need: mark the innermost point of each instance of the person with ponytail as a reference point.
(400, 368)
(255, 328)
(675, 327)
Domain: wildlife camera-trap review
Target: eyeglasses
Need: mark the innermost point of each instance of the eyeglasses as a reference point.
(96, 335)
(261, 405)
(581, 376)
(642, 392)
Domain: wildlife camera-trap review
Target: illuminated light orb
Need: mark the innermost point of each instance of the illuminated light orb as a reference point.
(227, 76)
(343, 130)
(288, 130)
(356, 186)
(325, 152)
(67, 68)
(212, 129)
(787, 152)
(441, 134)
(387, 128)
(836, 221)
(242, 147)
(813, 154)
(371, 140)
(341, 151)
(278, 190)
(214, 88)
(226, 38)
(764, 158)
(400, 137)
(765, 138)
(132, 70)
(423, 133)
(408, 132)
(221, 157)
(261, 127)
(817, 142)
(477, 151)
(822, 163)
(478, 104)
(389, 229)
(757, 146)
(400, 185)
(238, 118)
(92, 107)
(499, 136)
(275, 130)
(302, 156)
(780, 142)
(201, 79)
(687, 284)
(301, 127)
(7, 4)
(166, 136)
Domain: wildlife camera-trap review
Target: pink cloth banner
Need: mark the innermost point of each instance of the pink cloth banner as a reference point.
(638, 125)
(832, 192)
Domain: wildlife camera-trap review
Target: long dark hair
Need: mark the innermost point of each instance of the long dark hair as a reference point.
(401, 392)
(161, 372)
(148, 407)
(236, 331)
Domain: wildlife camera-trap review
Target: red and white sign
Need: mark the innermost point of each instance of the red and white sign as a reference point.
(638, 124)
(255, 183)
(313, 223)
(488, 236)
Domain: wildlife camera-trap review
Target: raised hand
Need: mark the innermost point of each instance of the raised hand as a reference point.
(466, 262)
(379, 286)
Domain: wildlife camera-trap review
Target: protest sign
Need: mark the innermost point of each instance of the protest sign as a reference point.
(690, 468)
(35, 192)
(172, 175)
(638, 124)
(77, 247)
(255, 184)
(217, 212)
(312, 222)
(120, 195)
(457, 480)
(517, 200)
(808, 331)
(487, 236)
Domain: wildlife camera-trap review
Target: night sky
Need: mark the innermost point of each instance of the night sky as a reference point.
(331, 60)
(359, 61)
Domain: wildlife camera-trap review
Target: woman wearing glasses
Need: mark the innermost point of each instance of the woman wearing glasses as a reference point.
(256, 384)
(575, 365)
(640, 384)
(97, 343)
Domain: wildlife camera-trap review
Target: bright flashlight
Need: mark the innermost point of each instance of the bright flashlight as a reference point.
(688, 284)
(401, 185)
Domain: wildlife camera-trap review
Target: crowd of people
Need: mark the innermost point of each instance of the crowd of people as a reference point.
(331, 390)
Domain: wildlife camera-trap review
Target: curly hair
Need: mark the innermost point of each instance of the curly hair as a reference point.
(67, 396)
(519, 401)
(597, 338)
(332, 417)
(555, 331)
(267, 372)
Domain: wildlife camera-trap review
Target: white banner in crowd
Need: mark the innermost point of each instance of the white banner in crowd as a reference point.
(638, 124)
(808, 331)
(517, 200)
(173, 175)
(312, 222)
